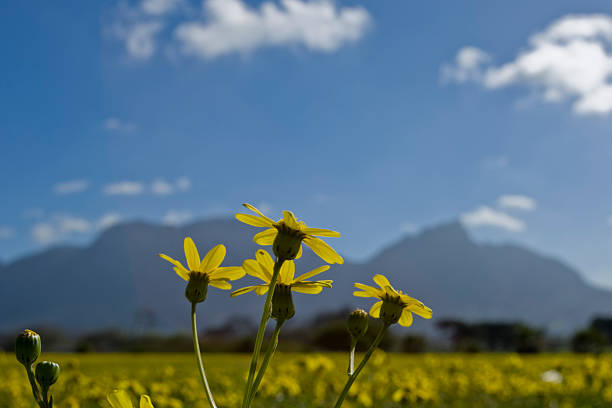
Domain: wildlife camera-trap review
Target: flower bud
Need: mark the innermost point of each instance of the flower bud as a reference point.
(47, 373)
(197, 287)
(287, 243)
(391, 311)
(27, 347)
(282, 303)
(357, 324)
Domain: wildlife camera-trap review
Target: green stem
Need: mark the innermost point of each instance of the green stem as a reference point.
(266, 360)
(265, 316)
(196, 347)
(351, 366)
(35, 392)
(366, 357)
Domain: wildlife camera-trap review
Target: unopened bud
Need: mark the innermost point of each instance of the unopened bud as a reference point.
(287, 243)
(391, 311)
(197, 287)
(282, 303)
(47, 373)
(357, 324)
(27, 347)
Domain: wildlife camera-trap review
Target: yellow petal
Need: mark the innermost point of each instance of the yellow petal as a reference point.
(213, 258)
(253, 220)
(264, 258)
(255, 210)
(253, 268)
(420, 309)
(228, 272)
(320, 232)
(372, 292)
(220, 284)
(406, 318)
(242, 291)
(321, 248)
(191, 253)
(171, 260)
(182, 272)
(312, 273)
(382, 281)
(287, 272)
(299, 254)
(119, 399)
(375, 310)
(261, 289)
(265, 237)
(145, 402)
(363, 294)
(290, 220)
(309, 289)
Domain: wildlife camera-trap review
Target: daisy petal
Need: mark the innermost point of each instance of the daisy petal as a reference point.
(145, 402)
(312, 273)
(255, 210)
(363, 294)
(264, 258)
(253, 220)
(381, 281)
(242, 291)
(265, 237)
(213, 258)
(321, 248)
(261, 289)
(253, 268)
(309, 289)
(372, 292)
(420, 309)
(287, 272)
(119, 399)
(191, 253)
(220, 284)
(406, 318)
(320, 232)
(171, 260)
(299, 254)
(182, 272)
(375, 310)
(228, 272)
(290, 220)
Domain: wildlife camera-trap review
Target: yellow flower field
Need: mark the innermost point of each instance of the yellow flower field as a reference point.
(314, 380)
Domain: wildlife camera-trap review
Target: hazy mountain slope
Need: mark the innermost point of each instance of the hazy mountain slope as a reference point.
(107, 283)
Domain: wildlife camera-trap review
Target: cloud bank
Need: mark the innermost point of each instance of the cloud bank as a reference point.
(571, 60)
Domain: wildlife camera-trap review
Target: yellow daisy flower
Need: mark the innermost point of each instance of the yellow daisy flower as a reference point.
(121, 399)
(263, 268)
(287, 234)
(207, 271)
(394, 306)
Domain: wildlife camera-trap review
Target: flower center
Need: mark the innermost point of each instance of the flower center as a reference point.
(197, 287)
(391, 309)
(287, 243)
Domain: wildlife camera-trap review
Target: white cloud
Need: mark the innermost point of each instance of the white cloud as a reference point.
(6, 232)
(113, 124)
(408, 227)
(108, 220)
(485, 216)
(159, 7)
(71, 187)
(570, 60)
(234, 27)
(519, 202)
(59, 227)
(163, 187)
(124, 188)
(176, 217)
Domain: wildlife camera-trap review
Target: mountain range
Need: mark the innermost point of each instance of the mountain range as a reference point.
(118, 277)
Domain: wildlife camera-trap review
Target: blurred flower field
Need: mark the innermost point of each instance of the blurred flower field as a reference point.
(314, 380)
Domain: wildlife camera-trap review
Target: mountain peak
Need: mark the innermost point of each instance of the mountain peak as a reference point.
(452, 232)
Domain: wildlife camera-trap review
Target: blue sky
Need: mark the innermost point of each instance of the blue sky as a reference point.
(372, 118)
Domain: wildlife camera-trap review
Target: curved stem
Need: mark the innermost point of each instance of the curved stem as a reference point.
(35, 390)
(266, 360)
(366, 357)
(351, 366)
(196, 349)
(265, 316)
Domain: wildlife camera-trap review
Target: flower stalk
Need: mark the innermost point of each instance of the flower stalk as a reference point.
(265, 317)
(364, 361)
(196, 349)
(266, 360)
